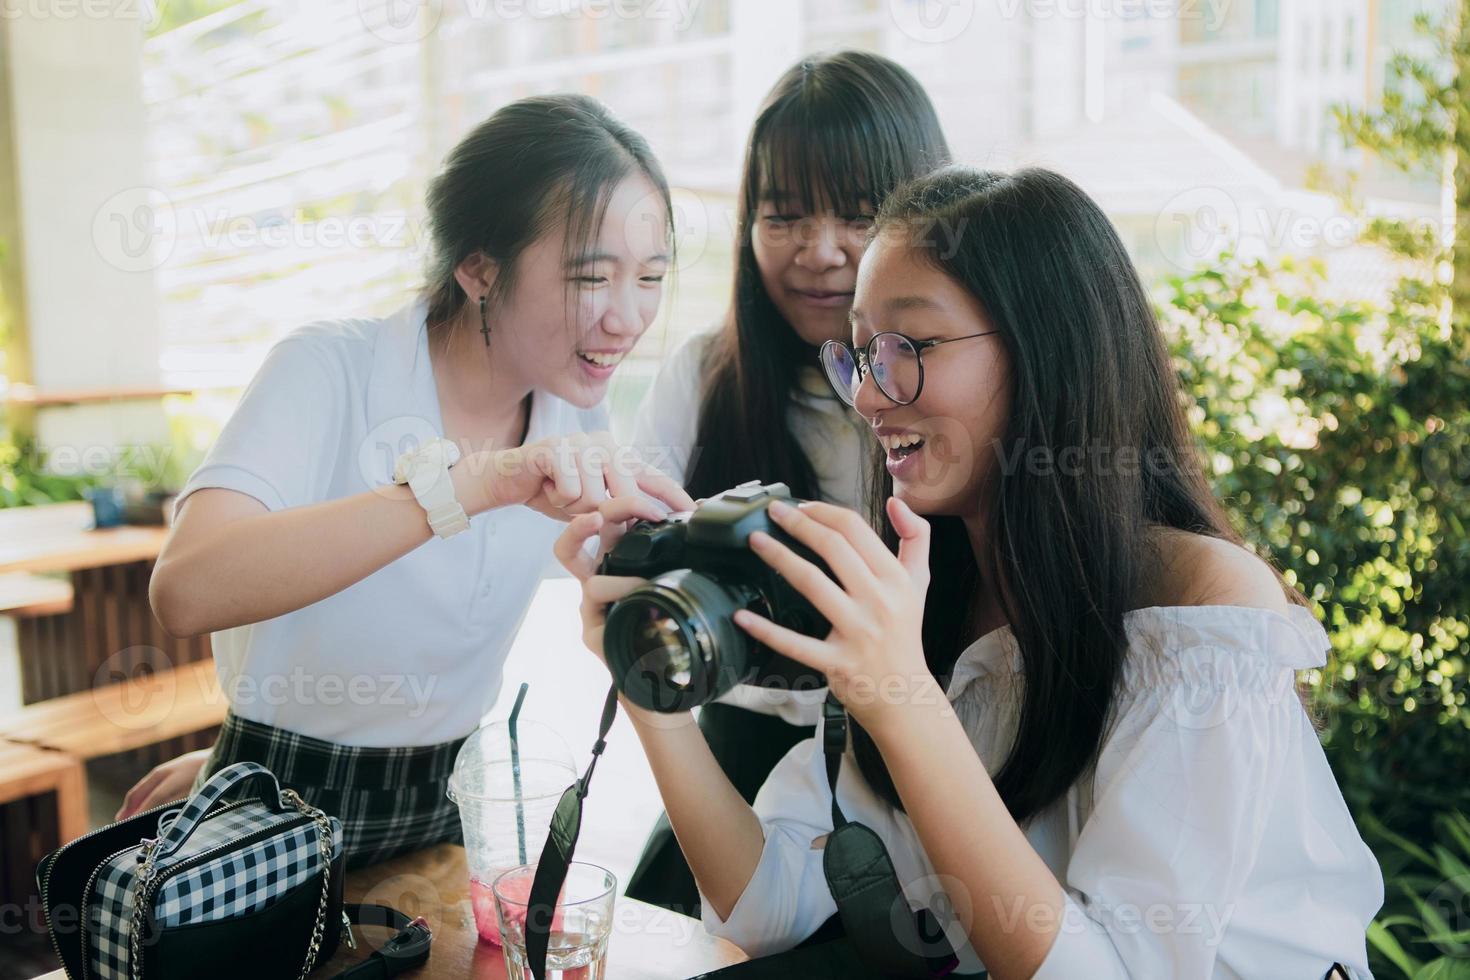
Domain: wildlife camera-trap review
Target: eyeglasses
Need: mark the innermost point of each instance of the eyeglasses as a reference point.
(895, 361)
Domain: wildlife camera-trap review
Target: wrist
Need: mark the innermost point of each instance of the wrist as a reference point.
(470, 478)
(895, 713)
(645, 720)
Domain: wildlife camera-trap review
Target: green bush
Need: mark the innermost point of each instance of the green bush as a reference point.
(1337, 433)
(24, 483)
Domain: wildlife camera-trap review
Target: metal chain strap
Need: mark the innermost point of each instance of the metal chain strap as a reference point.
(324, 841)
(140, 899)
(146, 871)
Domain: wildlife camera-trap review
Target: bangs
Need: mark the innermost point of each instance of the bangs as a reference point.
(844, 165)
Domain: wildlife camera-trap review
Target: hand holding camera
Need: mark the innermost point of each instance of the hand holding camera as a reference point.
(673, 585)
(873, 658)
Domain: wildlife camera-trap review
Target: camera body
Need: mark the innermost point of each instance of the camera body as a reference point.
(671, 643)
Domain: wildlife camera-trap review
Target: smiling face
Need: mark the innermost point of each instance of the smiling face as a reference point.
(808, 263)
(612, 290)
(939, 448)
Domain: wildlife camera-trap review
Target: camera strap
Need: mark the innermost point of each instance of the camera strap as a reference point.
(561, 844)
(875, 915)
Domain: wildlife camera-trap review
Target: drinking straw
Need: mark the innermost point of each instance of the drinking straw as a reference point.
(515, 774)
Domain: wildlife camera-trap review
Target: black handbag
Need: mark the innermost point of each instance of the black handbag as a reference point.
(245, 887)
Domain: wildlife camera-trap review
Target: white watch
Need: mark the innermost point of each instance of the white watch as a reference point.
(426, 471)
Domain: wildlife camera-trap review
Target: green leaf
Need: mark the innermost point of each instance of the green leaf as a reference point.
(1444, 968)
(1383, 941)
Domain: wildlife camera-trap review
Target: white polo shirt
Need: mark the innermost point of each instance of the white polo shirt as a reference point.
(413, 654)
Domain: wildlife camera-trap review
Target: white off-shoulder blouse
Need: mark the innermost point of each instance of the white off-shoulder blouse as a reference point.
(1210, 839)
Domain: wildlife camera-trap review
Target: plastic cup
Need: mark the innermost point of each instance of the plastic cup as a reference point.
(484, 786)
(581, 922)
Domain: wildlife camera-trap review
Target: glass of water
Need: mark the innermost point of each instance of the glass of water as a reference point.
(580, 924)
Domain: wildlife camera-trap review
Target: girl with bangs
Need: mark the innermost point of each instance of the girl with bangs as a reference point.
(834, 137)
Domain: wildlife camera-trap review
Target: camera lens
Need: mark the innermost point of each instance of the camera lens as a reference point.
(660, 642)
(671, 644)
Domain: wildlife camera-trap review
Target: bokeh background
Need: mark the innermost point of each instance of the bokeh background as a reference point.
(183, 182)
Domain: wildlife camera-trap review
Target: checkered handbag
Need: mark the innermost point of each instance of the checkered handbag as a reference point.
(249, 886)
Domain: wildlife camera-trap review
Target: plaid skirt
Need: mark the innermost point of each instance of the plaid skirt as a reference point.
(390, 800)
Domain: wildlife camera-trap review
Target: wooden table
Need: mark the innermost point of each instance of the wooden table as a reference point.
(60, 538)
(648, 943)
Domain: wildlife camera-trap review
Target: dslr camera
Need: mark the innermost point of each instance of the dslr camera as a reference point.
(671, 643)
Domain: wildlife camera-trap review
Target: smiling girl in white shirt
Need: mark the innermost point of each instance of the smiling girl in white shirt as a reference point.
(356, 650)
(1071, 688)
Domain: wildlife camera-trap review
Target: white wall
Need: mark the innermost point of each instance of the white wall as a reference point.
(91, 231)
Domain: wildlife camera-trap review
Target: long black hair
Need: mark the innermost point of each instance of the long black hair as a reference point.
(838, 131)
(533, 162)
(1066, 551)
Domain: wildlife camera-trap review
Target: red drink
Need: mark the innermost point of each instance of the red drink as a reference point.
(515, 890)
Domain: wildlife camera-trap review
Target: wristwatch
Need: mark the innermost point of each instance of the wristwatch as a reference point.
(426, 471)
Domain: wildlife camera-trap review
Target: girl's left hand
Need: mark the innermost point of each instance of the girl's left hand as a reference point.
(874, 656)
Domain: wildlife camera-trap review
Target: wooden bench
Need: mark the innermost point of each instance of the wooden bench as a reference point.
(148, 708)
(43, 747)
(25, 595)
(43, 804)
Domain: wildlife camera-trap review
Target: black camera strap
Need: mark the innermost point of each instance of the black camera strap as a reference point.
(561, 844)
(875, 915)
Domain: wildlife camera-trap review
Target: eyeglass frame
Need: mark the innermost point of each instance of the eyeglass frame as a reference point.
(861, 358)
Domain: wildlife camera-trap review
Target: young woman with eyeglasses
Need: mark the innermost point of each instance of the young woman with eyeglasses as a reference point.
(1071, 688)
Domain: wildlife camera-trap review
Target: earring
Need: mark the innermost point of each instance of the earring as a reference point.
(484, 324)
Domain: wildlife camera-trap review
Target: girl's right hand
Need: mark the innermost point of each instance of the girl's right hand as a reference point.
(565, 476)
(608, 523)
(166, 782)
